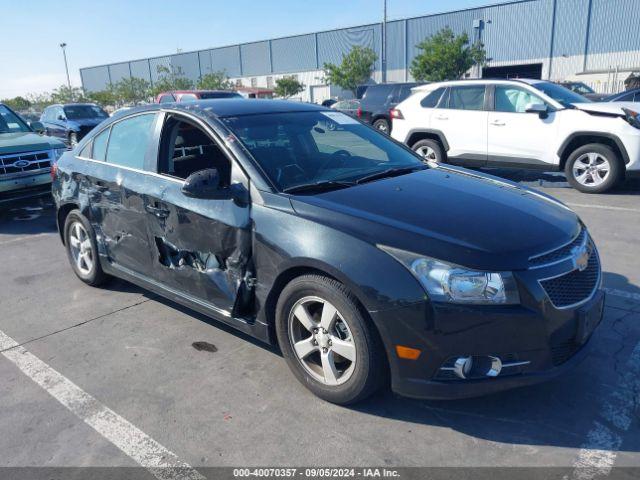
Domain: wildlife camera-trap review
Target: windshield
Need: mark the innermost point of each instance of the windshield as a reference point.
(580, 88)
(77, 112)
(560, 94)
(207, 95)
(10, 122)
(305, 148)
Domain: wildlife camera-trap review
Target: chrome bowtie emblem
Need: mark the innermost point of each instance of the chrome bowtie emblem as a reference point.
(21, 163)
(581, 256)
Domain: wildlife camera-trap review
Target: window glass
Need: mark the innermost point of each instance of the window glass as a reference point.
(467, 98)
(10, 123)
(377, 93)
(514, 99)
(166, 99)
(86, 151)
(100, 145)
(560, 94)
(188, 97)
(129, 141)
(304, 148)
(431, 100)
(77, 112)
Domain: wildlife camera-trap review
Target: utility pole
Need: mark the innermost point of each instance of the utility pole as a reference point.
(63, 46)
(383, 51)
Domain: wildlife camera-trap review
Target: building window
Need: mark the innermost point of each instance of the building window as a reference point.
(254, 82)
(269, 82)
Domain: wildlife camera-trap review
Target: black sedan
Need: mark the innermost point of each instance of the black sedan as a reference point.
(301, 226)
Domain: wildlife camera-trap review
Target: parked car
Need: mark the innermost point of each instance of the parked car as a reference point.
(301, 226)
(25, 156)
(584, 90)
(328, 102)
(626, 96)
(193, 95)
(378, 100)
(523, 124)
(350, 107)
(72, 121)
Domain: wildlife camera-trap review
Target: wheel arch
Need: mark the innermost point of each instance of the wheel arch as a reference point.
(579, 139)
(61, 217)
(427, 133)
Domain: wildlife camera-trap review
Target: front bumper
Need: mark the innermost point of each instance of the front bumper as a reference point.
(24, 182)
(552, 341)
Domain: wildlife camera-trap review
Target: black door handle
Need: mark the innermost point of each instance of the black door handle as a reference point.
(158, 212)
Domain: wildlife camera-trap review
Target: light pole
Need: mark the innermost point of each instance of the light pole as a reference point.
(383, 52)
(63, 46)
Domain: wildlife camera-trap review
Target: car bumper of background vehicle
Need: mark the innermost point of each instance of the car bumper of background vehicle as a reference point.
(13, 184)
(548, 343)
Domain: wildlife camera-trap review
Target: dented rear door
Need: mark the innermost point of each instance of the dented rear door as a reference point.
(201, 248)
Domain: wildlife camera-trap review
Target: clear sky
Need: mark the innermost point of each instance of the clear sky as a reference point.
(101, 31)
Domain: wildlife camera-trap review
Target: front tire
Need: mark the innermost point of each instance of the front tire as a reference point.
(594, 168)
(327, 341)
(82, 250)
(73, 139)
(382, 125)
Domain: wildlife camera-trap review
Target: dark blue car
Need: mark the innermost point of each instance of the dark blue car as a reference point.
(72, 121)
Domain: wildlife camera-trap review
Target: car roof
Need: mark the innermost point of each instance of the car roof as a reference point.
(466, 81)
(232, 107)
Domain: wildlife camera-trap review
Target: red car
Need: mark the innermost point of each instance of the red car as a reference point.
(193, 95)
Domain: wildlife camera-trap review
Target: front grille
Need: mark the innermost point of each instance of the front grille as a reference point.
(24, 162)
(576, 286)
(559, 254)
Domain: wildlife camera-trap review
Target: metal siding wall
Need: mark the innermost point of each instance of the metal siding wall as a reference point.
(118, 71)
(205, 61)
(154, 63)
(518, 31)
(227, 59)
(188, 63)
(140, 69)
(294, 54)
(395, 45)
(95, 79)
(332, 46)
(570, 27)
(614, 28)
(255, 58)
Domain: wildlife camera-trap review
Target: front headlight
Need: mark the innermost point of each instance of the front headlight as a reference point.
(632, 117)
(447, 282)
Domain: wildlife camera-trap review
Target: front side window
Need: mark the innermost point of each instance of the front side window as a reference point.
(303, 148)
(10, 122)
(129, 141)
(77, 112)
(514, 99)
(466, 97)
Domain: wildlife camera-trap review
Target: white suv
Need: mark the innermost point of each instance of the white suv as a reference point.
(522, 124)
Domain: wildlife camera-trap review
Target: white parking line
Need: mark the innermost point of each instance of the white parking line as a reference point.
(603, 207)
(598, 453)
(144, 450)
(623, 294)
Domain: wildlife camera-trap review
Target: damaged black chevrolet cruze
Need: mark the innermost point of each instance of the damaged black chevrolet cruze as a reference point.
(304, 228)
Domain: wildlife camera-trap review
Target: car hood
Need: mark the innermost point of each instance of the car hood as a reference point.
(452, 214)
(614, 108)
(26, 142)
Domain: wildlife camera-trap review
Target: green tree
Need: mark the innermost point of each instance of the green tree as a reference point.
(355, 69)
(39, 100)
(170, 78)
(445, 56)
(103, 97)
(288, 86)
(66, 94)
(215, 81)
(17, 103)
(132, 90)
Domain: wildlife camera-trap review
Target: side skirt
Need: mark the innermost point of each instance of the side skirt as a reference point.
(253, 328)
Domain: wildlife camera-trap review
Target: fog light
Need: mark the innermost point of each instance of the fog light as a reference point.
(477, 366)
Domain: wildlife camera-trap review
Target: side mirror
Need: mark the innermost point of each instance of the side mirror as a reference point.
(205, 184)
(37, 127)
(539, 108)
(62, 118)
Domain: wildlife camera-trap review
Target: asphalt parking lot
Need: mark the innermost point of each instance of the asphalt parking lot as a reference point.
(86, 373)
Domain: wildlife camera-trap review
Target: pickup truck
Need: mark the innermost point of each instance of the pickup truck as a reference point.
(25, 156)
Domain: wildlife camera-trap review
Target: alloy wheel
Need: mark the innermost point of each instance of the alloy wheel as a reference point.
(591, 169)
(427, 153)
(81, 249)
(322, 341)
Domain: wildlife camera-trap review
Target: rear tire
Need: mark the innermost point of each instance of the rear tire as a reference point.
(337, 355)
(429, 150)
(82, 250)
(382, 125)
(594, 168)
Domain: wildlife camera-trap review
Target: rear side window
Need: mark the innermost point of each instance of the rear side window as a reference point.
(167, 99)
(431, 100)
(100, 145)
(466, 98)
(129, 141)
(377, 93)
